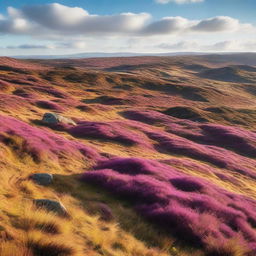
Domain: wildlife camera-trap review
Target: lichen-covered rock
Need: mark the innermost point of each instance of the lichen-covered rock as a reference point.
(43, 179)
(53, 118)
(51, 206)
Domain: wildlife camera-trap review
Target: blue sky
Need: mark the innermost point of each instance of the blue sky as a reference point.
(206, 25)
(242, 9)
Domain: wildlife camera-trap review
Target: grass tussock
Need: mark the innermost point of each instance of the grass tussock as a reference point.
(42, 247)
(37, 232)
(233, 247)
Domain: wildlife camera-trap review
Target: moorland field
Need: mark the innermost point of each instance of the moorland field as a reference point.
(159, 158)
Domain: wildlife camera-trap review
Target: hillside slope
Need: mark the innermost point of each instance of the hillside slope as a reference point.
(159, 159)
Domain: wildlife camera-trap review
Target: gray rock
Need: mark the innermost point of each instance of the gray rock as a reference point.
(43, 179)
(50, 118)
(51, 206)
(53, 118)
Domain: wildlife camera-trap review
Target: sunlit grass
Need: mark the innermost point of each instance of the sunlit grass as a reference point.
(27, 231)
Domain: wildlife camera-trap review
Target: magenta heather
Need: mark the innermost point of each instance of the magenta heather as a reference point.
(49, 105)
(235, 139)
(215, 155)
(188, 207)
(112, 131)
(43, 144)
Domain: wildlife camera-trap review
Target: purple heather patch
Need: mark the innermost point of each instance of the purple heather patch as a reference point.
(223, 147)
(191, 208)
(217, 156)
(43, 144)
(236, 139)
(112, 131)
(49, 105)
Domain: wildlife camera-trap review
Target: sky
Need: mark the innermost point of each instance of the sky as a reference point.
(42, 27)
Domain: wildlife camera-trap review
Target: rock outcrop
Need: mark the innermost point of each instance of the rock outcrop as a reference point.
(51, 206)
(53, 118)
(44, 179)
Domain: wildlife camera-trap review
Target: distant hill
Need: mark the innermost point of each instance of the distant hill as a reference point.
(103, 55)
(238, 74)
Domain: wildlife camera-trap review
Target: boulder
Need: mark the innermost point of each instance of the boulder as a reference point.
(43, 179)
(53, 118)
(51, 206)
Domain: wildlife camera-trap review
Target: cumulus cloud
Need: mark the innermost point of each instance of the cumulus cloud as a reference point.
(235, 45)
(73, 45)
(62, 19)
(170, 25)
(226, 46)
(54, 16)
(77, 20)
(75, 28)
(14, 26)
(180, 46)
(222, 46)
(56, 20)
(167, 25)
(179, 1)
(220, 23)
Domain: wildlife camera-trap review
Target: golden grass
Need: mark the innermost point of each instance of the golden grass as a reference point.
(27, 231)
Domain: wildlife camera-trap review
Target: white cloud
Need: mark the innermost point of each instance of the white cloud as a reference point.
(227, 46)
(62, 45)
(170, 25)
(13, 12)
(51, 18)
(55, 16)
(179, 1)
(56, 20)
(222, 46)
(220, 23)
(167, 25)
(73, 45)
(58, 27)
(180, 46)
(250, 45)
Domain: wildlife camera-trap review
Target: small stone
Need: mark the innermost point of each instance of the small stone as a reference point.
(53, 118)
(50, 118)
(43, 179)
(51, 206)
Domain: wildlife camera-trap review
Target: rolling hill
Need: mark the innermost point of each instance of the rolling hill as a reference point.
(146, 156)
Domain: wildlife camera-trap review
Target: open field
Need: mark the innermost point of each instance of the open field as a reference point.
(161, 159)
